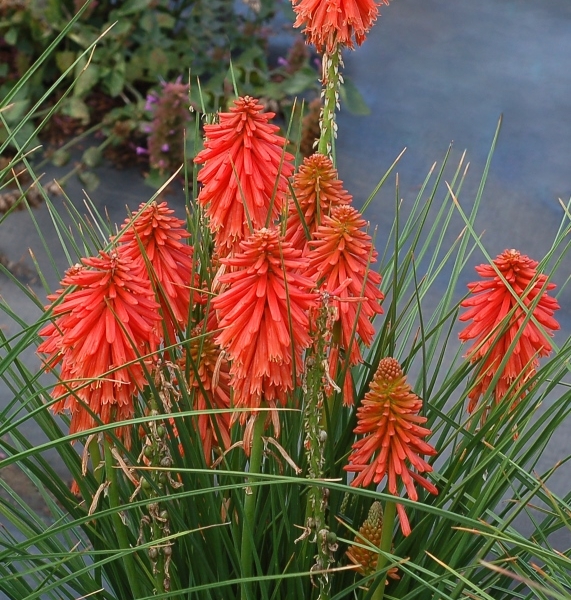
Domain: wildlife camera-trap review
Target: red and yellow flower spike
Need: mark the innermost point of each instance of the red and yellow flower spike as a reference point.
(155, 236)
(340, 261)
(243, 159)
(393, 442)
(492, 300)
(263, 314)
(318, 190)
(100, 330)
(370, 531)
(331, 22)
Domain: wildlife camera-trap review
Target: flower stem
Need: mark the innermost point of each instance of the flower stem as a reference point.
(95, 454)
(159, 570)
(120, 528)
(246, 557)
(99, 473)
(330, 80)
(386, 544)
(315, 441)
(159, 563)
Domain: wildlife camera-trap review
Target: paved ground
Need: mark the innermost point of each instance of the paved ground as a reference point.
(433, 71)
(436, 72)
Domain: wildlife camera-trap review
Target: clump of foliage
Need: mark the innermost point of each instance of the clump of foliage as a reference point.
(266, 406)
(145, 41)
(138, 45)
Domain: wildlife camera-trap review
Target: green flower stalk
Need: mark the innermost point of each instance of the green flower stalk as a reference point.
(156, 453)
(331, 80)
(386, 545)
(315, 386)
(256, 456)
(153, 449)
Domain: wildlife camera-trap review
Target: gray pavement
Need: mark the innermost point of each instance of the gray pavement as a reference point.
(436, 72)
(433, 72)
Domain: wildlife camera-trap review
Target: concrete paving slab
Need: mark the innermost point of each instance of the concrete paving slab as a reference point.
(436, 72)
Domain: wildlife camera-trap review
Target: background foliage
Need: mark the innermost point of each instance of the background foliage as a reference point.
(140, 43)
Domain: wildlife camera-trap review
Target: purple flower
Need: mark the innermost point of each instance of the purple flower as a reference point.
(140, 150)
(170, 115)
(282, 62)
(150, 100)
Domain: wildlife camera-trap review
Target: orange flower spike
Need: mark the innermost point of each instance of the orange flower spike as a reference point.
(104, 325)
(52, 334)
(393, 434)
(255, 311)
(159, 235)
(342, 251)
(331, 22)
(318, 190)
(371, 530)
(242, 158)
(490, 303)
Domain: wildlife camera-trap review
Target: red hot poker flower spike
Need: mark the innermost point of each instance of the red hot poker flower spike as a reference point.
(265, 291)
(100, 330)
(318, 190)
(393, 435)
(340, 258)
(160, 236)
(488, 306)
(370, 531)
(331, 22)
(242, 159)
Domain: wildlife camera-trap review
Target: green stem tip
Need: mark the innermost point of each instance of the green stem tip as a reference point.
(386, 545)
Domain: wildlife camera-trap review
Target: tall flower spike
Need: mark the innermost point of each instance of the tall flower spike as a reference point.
(493, 331)
(318, 190)
(100, 330)
(340, 260)
(331, 22)
(393, 435)
(156, 237)
(243, 158)
(265, 294)
(370, 531)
